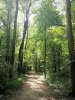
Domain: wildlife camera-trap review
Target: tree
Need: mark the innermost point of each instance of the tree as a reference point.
(73, 11)
(20, 55)
(13, 41)
(70, 45)
(8, 30)
(47, 17)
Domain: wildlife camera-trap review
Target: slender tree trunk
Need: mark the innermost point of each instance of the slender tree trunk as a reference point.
(20, 56)
(70, 45)
(59, 54)
(13, 42)
(36, 59)
(45, 56)
(14, 34)
(8, 31)
(26, 41)
(24, 64)
(0, 42)
(54, 60)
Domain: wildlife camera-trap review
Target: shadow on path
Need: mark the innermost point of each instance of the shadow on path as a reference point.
(34, 88)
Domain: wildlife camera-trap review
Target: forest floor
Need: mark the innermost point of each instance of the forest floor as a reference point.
(35, 88)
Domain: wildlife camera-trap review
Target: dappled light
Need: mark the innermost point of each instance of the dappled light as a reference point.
(37, 49)
(34, 88)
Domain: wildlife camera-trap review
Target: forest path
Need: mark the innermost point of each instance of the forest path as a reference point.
(34, 88)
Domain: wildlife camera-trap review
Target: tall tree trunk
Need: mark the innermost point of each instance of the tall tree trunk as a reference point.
(54, 59)
(45, 55)
(13, 41)
(26, 41)
(24, 64)
(20, 56)
(70, 45)
(36, 58)
(14, 34)
(59, 55)
(8, 30)
(0, 42)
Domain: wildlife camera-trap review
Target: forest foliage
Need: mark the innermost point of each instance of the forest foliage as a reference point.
(33, 36)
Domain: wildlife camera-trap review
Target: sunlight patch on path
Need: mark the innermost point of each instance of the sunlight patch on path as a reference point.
(51, 98)
(38, 87)
(36, 82)
(34, 88)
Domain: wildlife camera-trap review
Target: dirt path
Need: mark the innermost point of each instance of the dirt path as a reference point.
(34, 88)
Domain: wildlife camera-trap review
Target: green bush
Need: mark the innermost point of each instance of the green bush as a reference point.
(4, 75)
(17, 82)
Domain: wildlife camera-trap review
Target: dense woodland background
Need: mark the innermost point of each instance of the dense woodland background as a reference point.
(38, 35)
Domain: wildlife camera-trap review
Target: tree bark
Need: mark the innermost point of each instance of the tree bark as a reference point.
(14, 34)
(70, 45)
(13, 42)
(54, 59)
(0, 42)
(20, 56)
(45, 55)
(8, 30)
